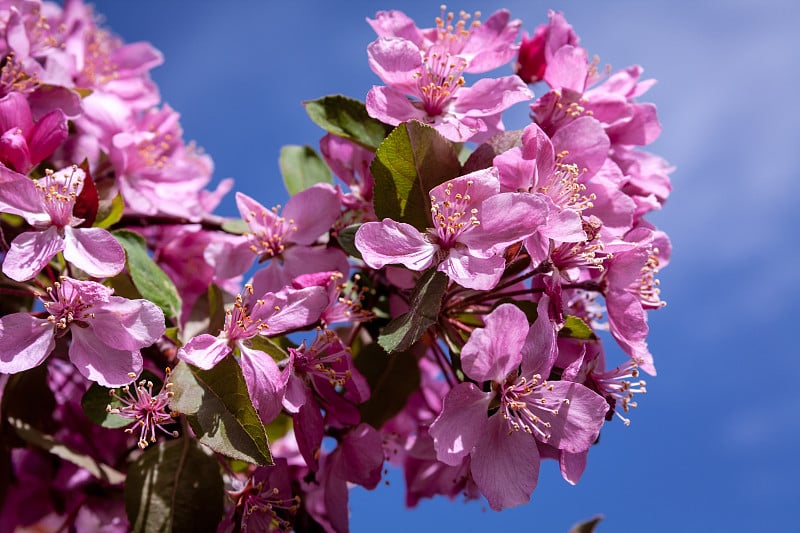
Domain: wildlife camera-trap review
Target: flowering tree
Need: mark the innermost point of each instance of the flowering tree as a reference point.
(432, 295)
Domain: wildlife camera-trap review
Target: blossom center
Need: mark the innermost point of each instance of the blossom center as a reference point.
(454, 214)
(59, 192)
(439, 79)
(526, 404)
(270, 240)
(66, 306)
(453, 34)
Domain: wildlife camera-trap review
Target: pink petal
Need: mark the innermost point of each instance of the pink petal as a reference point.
(493, 351)
(539, 351)
(265, 382)
(568, 69)
(309, 431)
(128, 324)
(505, 467)
(313, 212)
(395, 61)
(572, 465)
(94, 250)
(19, 196)
(47, 135)
(489, 96)
(204, 351)
(391, 106)
(578, 421)
(292, 309)
(585, 142)
(390, 242)
(361, 457)
(25, 341)
(30, 252)
(461, 423)
(473, 272)
(506, 218)
(97, 361)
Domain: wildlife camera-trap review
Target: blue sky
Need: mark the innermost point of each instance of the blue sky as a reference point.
(711, 447)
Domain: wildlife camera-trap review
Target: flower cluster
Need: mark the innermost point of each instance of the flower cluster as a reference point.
(432, 295)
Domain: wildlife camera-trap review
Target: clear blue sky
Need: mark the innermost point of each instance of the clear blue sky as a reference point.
(712, 445)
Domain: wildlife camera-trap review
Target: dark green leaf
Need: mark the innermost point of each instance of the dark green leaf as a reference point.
(207, 314)
(46, 442)
(589, 526)
(392, 379)
(220, 411)
(575, 328)
(483, 156)
(151, 282)
(347, 238)
(301, 168)
(97, 397)
(405, 330)
(347, 118)
(412, 160)
(174, 486)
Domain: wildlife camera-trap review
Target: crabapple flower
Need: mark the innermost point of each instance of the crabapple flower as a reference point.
(47, 204)
(537, 51)
(500, 429)
(264, 503)
(485, 45)
(473, 223)
(149, 412)
(107, 332)
(271, 314)
(24, 144)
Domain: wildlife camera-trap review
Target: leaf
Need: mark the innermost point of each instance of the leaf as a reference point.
(575, 328)
(412, 160)
(207, 314)
(109, 213)
(97, 397)
(151, 282)
(399, 334)
(301, 168)
(347, 118)
(237, 226)
(174, 486)
(33, 436)
(483, 156)
(220, 411)
(392, 379)
(589, 526)
(347, 240)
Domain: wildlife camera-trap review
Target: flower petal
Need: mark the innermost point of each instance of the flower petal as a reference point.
(97, 361)
(493, 351)
(25, 341)
(390, 242)
(204, 351)
(461, 423)
(30, 252)
(93, 250)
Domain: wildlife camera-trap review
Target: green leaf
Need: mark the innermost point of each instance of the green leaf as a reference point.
(589, 526)
(270, 346)
(207, 314)
(301, 168)
(347, 240)
(483, 156)
(412, 160)
(237, 226)
(347, 118)
(97, 397)
(174, 486)
(392, 379)
(575, 328)
(46, 442)
(219, 409)
(405, 330)
(151, 282)
(109, 213)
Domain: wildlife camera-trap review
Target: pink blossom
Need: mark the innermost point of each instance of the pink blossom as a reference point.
(107, 332)
(503, 446)
(485, 45)
(537, 51)
(271, 314)
(473, 223)
(47, 204)
(147, 411)
(24, 144)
